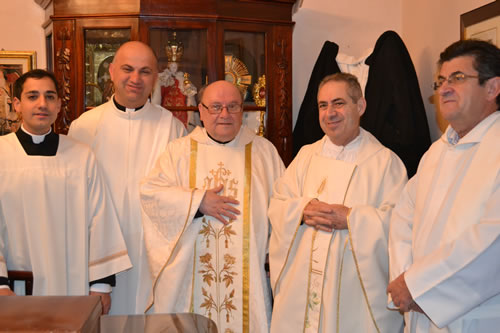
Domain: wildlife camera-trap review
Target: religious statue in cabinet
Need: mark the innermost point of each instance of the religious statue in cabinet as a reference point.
(173, 87)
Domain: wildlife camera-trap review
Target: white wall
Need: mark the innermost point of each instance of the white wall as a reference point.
(354, 25)
(429, 26)
(21, 28)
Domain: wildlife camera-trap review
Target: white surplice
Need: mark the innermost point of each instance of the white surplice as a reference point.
(348, 288)
(126, 144)
(56, 219)
(445, 233)
(181, 256)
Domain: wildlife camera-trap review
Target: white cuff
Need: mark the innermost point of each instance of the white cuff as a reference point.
(101, 287)
(4, 286)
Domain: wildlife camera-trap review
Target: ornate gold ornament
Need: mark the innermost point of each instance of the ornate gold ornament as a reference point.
(259, 91)
(237, 73)
(174, 49)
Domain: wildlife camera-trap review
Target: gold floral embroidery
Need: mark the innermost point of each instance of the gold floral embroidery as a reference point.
(218, 264)
(211, 273)
(218, 270)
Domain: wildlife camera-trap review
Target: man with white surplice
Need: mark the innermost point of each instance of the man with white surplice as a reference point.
(56, 217)
(127, 134)
(444, 240)
(329, 215)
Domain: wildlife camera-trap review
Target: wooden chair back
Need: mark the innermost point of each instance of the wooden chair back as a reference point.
(25, 276)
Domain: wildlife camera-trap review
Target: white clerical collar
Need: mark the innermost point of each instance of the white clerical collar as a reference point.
(36, 138)
(124, 108)
(345, 153)
(217, 141)
(474, 135)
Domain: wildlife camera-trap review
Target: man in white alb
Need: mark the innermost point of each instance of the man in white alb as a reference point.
(330, 217)
(207, 232)
(444, 240)
(127, 134)
(56, 217)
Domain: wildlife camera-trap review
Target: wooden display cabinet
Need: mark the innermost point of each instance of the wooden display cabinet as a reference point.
(248, 42)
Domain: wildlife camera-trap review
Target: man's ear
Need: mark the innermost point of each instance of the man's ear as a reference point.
(110, 69)
(17, 104)
(361, 105)
(493, 88)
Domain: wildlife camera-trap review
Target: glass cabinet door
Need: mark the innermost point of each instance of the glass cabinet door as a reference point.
(100, 48)
(182, 62)
(245, 66)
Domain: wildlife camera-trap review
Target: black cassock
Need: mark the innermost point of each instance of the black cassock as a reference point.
(395, 112)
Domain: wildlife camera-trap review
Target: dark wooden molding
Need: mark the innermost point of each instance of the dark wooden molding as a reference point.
(63, 64)
(283, 67)
(478, 15)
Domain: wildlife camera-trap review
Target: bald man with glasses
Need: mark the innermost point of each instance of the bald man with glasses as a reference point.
(207, 228)
(444, 240)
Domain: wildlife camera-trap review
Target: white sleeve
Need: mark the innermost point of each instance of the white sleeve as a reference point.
(461, 274)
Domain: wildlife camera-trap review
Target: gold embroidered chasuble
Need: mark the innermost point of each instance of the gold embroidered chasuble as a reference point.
(198, 264)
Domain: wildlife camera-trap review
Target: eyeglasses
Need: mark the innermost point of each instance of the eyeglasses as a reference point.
(337, 105)
(454, 78)
(217, 108)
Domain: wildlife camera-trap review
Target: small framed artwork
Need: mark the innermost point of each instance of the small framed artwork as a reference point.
(12, 65)
(482, 23)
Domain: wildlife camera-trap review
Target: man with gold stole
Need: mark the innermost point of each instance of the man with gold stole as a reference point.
(207, 232)
(329, 215)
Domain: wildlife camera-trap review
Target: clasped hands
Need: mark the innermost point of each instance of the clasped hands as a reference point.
(326, 217)
(219, 206)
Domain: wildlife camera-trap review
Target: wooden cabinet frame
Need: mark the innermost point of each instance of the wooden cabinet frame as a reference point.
(271, 17)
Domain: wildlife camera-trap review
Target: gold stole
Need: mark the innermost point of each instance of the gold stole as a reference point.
(220, 288)
(328, 180)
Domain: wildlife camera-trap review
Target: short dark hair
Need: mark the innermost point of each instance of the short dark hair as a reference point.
(199, 95)
(486, 58)
(33, 74)
(353, 87)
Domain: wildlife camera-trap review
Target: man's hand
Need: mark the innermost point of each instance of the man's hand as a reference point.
(326, 217)
(105, 300)
(7, 292)
(401, 296)
(219, 206)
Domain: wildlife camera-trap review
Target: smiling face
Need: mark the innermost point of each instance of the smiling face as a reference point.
(464, 104)
(134, 71)
(340, 118)
(223, 126)
(38, 104)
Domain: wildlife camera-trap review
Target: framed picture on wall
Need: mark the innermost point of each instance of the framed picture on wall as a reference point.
(482, 23)
(12, 65)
